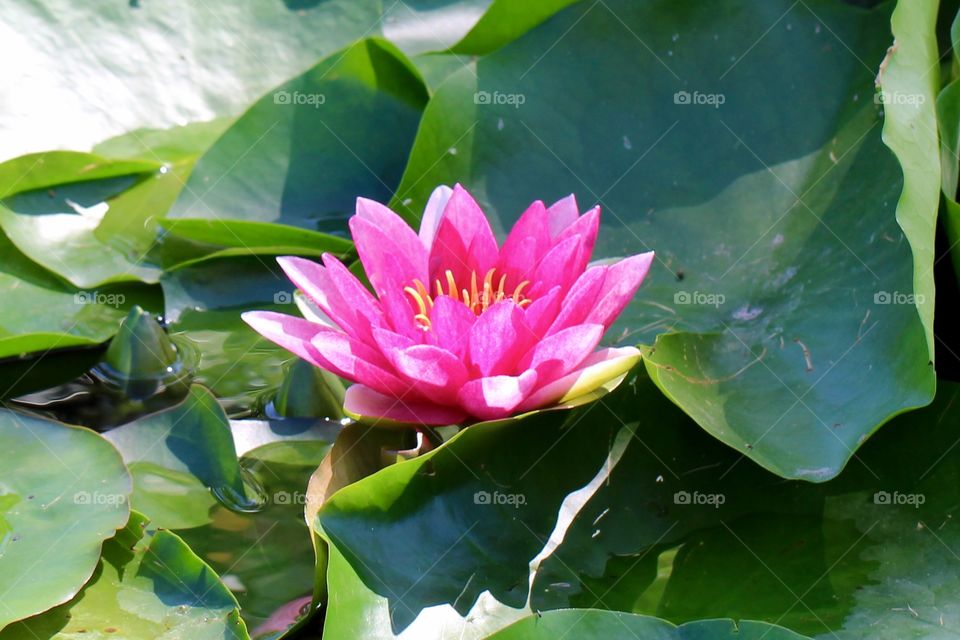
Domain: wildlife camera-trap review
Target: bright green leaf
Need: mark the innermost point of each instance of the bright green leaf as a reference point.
(63, 491)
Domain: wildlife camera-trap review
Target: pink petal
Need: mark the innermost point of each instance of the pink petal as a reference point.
(292, 333)
(356, 362)
(597, 370)
(388, 340)
(562, 214)
(399, 310)
(542, 311)
(436, 373)
(579, 300)
(391, 262)
(496, 396)
(363, 402)
(315, 282)
(498, 339)
(587, 227)
(464, 241)
(622, 281)
(451, 322)
(557, 267)
(432, 214)
(367, 312)
(562, 352)
(528, 240)
(394, 227)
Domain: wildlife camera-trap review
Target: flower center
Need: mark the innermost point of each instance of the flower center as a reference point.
(478, 298)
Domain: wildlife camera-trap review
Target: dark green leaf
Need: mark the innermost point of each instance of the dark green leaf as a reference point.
(758, 176)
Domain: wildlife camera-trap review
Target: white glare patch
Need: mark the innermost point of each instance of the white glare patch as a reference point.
(96, 212)
(233, 583)
(746, 312)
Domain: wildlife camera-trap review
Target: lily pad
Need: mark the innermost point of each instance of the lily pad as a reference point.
(346, 125)
(487, 500)
(186, 451)
(41, 313)
(909, 80)
(788, 288)
(78, 66)
(147, 585)
(591, 624)
(80, 215)
(49, 169)
(654, 518)
(63, 491)
(187, 241)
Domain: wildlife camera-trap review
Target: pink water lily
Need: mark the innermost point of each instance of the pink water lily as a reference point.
(460, 328)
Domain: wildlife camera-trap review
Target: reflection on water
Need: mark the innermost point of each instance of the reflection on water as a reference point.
(253, 499)
(265, 555)
(142, 371)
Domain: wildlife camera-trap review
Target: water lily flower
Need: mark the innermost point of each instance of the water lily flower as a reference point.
(459, 328)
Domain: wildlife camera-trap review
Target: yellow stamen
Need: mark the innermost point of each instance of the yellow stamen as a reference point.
(417, 298)
(451, 285)
(474, 296)
(422, 321)
(518, 292)
(477, 298)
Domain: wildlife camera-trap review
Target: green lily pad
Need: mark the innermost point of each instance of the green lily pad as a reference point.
(909, 80)
(788, 287)
(53, 168)
(42, 313)
(309, 391)
(354, 609)
(176, 457)
(346, 125)
(92, 84)
(63, 491)
(591, 624)
(92, 63)
(176, 144)
(86, 218)
(654, 518)
(487, 500)
(504, 22)
(187, 241)
(147, 585)
(948, 119)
